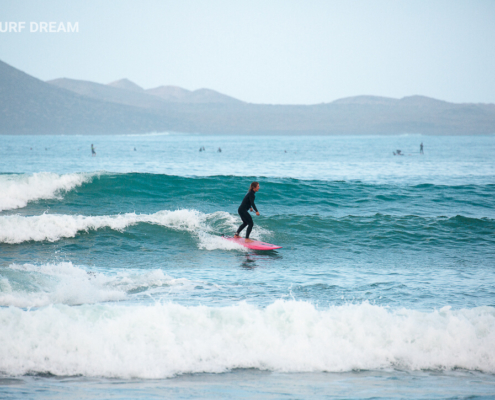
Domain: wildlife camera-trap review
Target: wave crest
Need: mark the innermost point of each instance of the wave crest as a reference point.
(16, 191)
(164, 340)
(52, 227)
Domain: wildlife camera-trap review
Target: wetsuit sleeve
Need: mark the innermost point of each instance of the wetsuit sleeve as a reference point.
(251, 199)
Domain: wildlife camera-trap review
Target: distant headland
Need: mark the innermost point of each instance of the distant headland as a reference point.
(68, 106)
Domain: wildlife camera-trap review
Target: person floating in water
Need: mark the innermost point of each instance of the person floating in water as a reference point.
(93, 152)
(219, 150)
(421, 148)
(248, 204)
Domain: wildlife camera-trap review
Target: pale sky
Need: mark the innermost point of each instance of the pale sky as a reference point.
(270, 51)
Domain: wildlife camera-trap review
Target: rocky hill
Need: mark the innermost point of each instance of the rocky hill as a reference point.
(67, 106)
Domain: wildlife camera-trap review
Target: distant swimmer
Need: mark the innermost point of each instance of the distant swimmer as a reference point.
(247, 205)
(219, 150)
(93, 152)
(421, 148)
(134, 149)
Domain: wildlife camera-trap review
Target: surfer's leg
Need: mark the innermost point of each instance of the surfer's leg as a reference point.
(248, 232)
(250, 224)
(240, 229)
(245, 221)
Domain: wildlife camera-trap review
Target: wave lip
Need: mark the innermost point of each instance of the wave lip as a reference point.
(164, 340)
(52, 227)
(17, 190)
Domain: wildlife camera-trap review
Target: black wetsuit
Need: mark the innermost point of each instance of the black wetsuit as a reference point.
(246, 204)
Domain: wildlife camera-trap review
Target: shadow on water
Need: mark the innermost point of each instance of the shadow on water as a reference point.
(257, 259)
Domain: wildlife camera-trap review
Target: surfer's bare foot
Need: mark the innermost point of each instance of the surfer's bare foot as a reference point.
(248, 240)
(236, 235)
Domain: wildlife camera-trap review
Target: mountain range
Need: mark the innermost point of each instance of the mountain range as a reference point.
(67, 106)
(126, 92)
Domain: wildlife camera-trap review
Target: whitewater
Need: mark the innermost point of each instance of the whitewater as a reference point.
(114, 274)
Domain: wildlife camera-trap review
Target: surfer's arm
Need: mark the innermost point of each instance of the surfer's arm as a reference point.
(251, 198)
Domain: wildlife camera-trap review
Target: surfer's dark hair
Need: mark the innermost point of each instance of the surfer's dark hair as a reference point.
(253, 185)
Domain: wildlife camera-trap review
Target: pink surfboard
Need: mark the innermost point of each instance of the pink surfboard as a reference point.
(253, 244)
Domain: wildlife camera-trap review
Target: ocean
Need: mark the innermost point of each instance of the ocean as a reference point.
(115, 281)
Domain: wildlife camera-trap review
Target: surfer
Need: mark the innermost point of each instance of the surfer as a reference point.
(248, 204)
(421, 148)
(93, 152)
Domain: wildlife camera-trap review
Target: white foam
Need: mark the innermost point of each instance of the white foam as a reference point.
(53, 227)
(226, 223)
(213, 242)
(164, 340)
(32, 285)
(17, 190)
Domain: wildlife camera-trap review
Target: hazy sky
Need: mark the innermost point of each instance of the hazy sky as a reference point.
(285, 52)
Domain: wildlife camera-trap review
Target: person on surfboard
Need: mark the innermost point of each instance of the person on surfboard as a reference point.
(247, 204)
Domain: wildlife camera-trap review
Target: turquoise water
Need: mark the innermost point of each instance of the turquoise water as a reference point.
(115, 281)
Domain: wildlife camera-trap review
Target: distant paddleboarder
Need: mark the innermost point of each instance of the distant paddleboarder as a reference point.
(247, 205)
(93, 152)
(421, 148)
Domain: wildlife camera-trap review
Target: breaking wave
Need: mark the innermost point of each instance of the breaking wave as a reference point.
(17, 190)
(52, 227)
(164, 340)
(30, 285)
